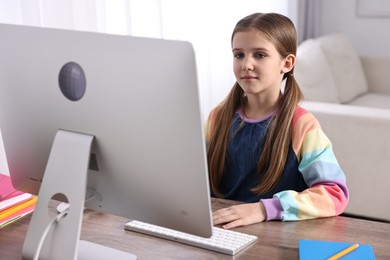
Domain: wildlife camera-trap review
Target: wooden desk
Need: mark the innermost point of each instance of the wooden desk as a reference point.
(277, 240)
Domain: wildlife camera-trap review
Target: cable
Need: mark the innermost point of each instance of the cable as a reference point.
(90, 195)
(55, 220)
(62, 209)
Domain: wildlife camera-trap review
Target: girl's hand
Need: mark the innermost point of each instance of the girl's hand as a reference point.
(240, 215)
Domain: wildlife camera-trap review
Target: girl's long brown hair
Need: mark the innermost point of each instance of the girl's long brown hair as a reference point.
(281, 32)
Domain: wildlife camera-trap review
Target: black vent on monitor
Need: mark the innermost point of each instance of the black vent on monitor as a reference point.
(72, 81)
(93, 164)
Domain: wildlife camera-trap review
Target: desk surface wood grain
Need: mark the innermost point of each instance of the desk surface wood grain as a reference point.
(277, 240)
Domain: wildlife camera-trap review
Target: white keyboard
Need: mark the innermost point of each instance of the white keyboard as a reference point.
(223, 240)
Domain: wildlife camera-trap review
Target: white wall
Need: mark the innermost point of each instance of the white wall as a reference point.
(370, 35)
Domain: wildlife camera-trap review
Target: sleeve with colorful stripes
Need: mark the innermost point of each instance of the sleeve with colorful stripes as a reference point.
(327, 193)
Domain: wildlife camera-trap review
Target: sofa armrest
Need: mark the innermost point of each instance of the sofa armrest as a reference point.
(377, 73)
(361, 142)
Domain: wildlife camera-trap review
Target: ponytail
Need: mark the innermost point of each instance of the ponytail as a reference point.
(278, 139)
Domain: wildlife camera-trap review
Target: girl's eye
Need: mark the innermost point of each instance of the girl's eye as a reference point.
(238, 55)
(259, 55)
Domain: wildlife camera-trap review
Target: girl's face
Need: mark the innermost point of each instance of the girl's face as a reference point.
(257, 65)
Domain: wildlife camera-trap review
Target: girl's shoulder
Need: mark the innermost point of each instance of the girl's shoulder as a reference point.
(210, 122)
(303, 119)
(214, 112)
(303, 124)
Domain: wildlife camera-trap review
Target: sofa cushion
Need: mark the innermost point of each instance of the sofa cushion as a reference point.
(376, 70)
(372, 100)
(345, 65)
(313, 73)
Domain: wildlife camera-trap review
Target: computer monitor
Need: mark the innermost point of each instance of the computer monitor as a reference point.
(114, 116)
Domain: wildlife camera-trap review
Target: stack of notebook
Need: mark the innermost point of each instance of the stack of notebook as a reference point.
(14, 204)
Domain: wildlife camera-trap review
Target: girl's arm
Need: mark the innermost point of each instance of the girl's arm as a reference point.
(327, 194)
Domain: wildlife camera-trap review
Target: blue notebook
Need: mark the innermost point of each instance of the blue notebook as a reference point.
(320, 249)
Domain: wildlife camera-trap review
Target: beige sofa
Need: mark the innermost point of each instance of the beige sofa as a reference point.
(350, 96)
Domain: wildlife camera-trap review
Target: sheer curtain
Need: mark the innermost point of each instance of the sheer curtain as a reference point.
(308, 18)
(206, 24)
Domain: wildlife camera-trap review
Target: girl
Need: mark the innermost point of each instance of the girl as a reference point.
(262, 147)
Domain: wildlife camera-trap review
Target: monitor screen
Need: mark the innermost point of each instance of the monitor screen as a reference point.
(138, 99)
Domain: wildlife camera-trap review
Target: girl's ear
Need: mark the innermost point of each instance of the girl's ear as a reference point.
(289, 63)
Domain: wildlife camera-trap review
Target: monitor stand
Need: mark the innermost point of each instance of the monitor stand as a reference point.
(65, 175)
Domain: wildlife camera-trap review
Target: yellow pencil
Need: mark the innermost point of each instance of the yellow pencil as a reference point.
(344, 252)
(8, 212)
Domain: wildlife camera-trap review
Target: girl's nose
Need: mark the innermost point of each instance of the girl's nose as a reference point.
(247, 64)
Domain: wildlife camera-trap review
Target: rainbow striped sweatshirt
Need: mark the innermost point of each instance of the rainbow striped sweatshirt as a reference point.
(312, 184)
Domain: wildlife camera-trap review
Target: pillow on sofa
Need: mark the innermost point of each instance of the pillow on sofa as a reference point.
(313, 74)
(345, 65)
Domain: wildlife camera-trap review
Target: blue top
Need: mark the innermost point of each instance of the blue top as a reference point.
(243, 154)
